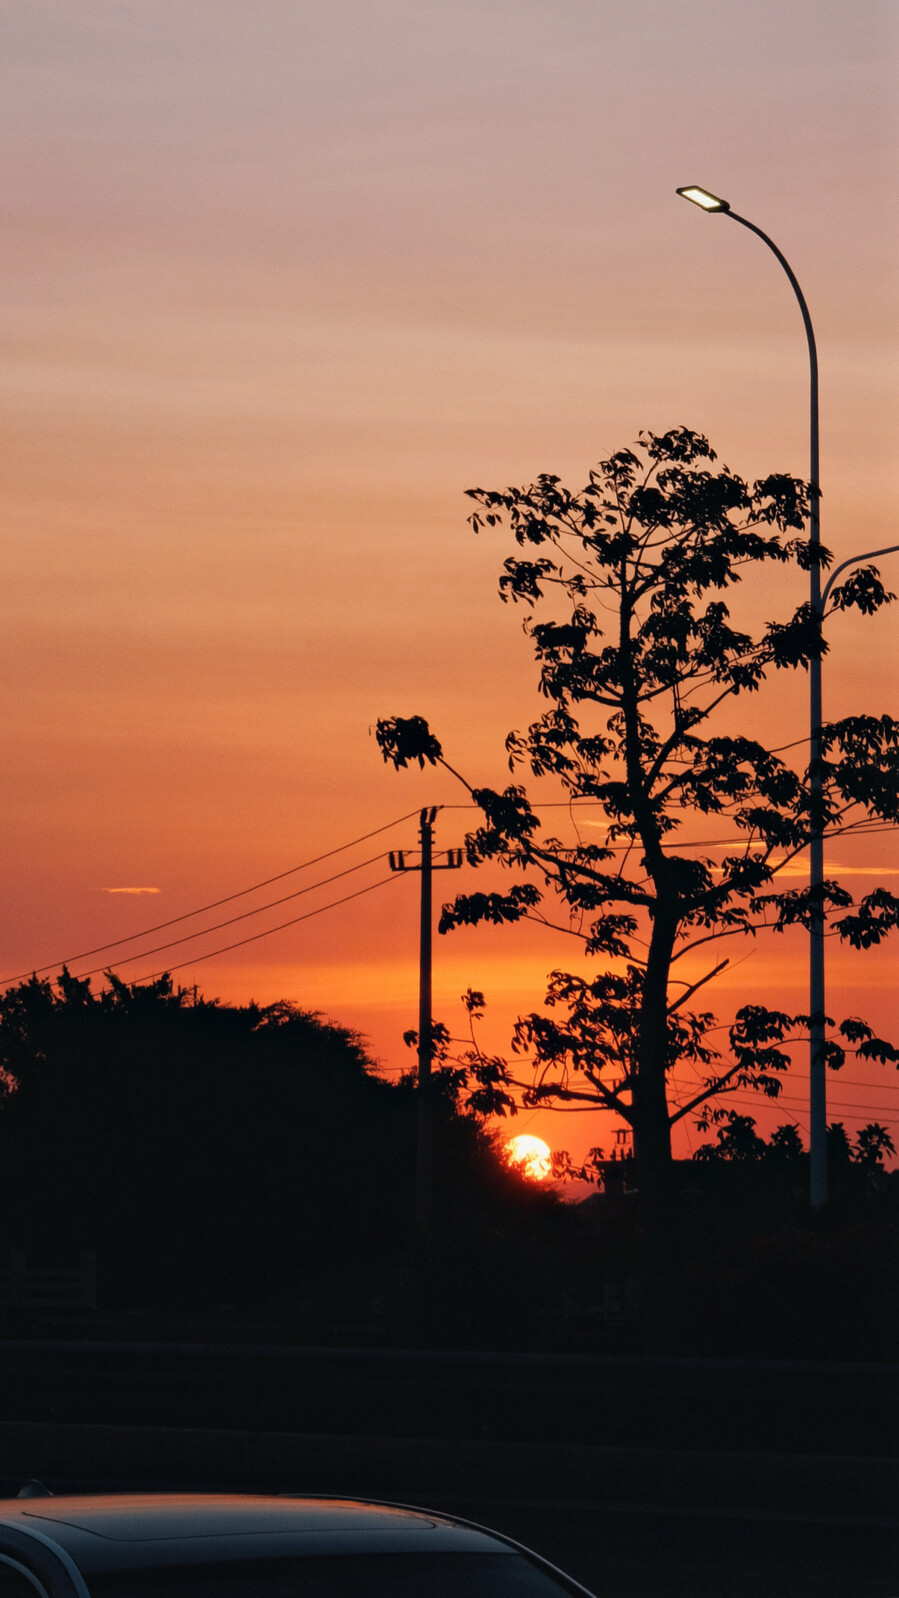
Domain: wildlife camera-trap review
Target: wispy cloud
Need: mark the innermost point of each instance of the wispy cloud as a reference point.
(130, 890)
(793, 868)
(832, 868)
(864, 871)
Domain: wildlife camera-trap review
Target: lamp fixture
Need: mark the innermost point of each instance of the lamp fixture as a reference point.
(709, 202)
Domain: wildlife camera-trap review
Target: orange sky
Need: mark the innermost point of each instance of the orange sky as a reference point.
(278, 284)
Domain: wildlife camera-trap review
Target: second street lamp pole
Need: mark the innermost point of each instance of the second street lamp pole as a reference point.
(817, 1035)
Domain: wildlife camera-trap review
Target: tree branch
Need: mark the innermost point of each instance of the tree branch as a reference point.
(696, 986)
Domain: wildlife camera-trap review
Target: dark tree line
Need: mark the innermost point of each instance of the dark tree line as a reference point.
(250, 1156)
(216, 1153)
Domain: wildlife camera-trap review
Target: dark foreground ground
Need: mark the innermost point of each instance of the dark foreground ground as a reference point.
(643, 1478)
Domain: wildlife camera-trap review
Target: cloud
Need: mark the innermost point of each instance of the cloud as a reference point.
(863, 871)
(130, 890)
(799, 868)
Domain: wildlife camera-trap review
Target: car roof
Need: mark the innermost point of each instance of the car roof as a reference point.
(148, 1516)
(129, 1530)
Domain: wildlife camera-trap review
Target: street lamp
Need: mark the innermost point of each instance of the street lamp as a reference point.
(817, 1077)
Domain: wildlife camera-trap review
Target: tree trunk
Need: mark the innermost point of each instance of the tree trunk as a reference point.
(652, 1128)
(660, 1264)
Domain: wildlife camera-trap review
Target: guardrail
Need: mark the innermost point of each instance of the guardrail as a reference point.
(774, 1406)
(49, 1287)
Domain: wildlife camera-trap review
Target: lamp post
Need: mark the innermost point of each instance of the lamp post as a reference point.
(817, 1079)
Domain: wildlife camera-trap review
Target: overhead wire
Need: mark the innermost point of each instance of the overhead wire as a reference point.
(254, 938)
(144, 954)
(879, 1087)
(188, 915)
(261, 909)
(785, 1100)
(862, 829)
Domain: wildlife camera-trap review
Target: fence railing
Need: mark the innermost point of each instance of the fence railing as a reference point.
(41, 1287)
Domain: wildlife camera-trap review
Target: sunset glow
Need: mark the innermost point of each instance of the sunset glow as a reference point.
(280, 283)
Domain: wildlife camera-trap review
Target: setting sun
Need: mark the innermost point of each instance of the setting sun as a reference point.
(531, 1156)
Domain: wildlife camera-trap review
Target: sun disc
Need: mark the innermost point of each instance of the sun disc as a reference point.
(530, 1155)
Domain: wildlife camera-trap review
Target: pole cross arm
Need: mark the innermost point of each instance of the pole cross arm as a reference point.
(398, 861)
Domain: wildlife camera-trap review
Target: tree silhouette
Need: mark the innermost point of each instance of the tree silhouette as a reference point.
(738, 1140)
(645, 673)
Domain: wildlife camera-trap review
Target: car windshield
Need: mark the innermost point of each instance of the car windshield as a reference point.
(338, 1576)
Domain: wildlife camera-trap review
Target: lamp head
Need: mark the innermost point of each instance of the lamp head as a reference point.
(702, 197)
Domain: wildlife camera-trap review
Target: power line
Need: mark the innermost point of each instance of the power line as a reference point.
(862, 830)
(393, 877)
(879, 1087)
(231, 920)
(188, 915)
(848, 1111)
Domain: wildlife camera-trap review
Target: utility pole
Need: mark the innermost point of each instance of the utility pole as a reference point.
(427, 865)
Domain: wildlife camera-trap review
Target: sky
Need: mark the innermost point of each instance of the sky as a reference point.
(278, 284)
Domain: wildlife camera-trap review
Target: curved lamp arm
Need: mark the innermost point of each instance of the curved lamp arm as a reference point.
(710, 202)
(855, 560)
